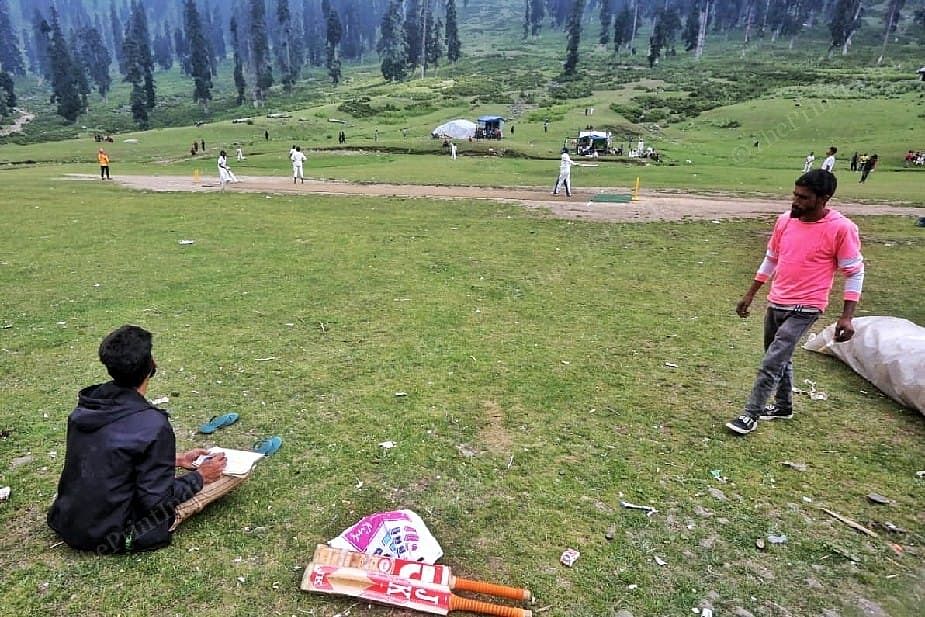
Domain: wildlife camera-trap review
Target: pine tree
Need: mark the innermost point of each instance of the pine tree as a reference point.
(392, 47)
(64, 78)
(413, 31)
(622, 27)
(181, 49)
(163, 48)
(41, 34)
(284, 45)
(239, 84)
(137, 31)
(118, 38)
(333, 34)
(260, 51)
(97, 59)
(574, 37)
(691, 28)
(526, 30)
(7, 94)
(200, 63)
(81, 68)
(606, 21)
(537, 13)
(10, 54)
(453, 46)
(434, 47)
(846, 19)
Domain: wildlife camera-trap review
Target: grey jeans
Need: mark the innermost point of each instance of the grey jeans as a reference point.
(783, 329)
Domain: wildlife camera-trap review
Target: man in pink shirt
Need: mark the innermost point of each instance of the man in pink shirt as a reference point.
(807, 246)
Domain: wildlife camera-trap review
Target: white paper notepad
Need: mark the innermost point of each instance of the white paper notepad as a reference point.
(238, 462)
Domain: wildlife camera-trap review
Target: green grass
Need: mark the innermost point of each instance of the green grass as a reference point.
(542, 344)
(515, 335)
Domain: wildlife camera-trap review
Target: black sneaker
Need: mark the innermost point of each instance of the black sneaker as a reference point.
(743, 425)
(773, 412)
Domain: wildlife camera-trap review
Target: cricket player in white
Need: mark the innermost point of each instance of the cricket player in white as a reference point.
(298, 158)
(565, 174)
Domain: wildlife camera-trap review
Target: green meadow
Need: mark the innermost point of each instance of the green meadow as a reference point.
(552, 368)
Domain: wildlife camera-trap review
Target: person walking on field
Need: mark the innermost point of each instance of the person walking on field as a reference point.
(808, 244)
(829, 163)
(808, 163)
(239, 153)
(297, 158)
(869, 165)
(453, 150)
(103, 159)
(565, 174)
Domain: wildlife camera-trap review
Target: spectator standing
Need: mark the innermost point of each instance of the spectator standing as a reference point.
(103, 159)
(829, 163)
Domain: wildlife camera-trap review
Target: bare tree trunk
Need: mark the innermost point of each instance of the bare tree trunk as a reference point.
(749, 18)
(891, 17)
(424, 37)
(702, 30)
(857, 13)
(635, 21)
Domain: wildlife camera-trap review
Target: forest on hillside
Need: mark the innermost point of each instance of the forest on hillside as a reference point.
(77, 47)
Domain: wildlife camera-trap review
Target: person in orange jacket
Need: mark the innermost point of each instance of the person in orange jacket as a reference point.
(103, 158)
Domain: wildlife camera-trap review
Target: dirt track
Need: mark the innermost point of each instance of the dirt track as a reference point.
(652, 205)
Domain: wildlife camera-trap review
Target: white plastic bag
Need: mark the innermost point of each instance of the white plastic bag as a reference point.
(889, 352)
(400, 533)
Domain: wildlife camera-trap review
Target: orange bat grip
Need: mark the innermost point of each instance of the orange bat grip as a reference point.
(474, 606)
(490, 589)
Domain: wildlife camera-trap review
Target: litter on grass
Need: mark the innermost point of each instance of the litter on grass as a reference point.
(660, 561)
(569, 557)
(186, 242)
(387, 445)
(398, 533)
(792, 465)
(781, 539)
(161, 400)
(5, 493)
(649, 510)
(879, 499)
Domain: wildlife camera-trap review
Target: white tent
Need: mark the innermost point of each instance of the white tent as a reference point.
(456, 129)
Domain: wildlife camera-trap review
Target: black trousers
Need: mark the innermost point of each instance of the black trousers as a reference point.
(104, 172)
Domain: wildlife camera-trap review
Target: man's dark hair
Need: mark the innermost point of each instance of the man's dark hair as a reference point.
(126, 352)
(833, 149)
(820, 181)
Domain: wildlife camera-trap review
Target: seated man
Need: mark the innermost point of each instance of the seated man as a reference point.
(118, 490)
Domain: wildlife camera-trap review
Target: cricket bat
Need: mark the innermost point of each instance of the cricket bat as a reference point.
(415, 571)
(396, 591)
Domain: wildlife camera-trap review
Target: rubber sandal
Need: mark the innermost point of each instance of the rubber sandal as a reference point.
(218, 422)
(269, 445)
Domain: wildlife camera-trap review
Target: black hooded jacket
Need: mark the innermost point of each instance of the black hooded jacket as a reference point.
(119, 477)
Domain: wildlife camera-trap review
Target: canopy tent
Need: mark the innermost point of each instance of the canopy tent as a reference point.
(455, 129)
(594, 141)
(489, 127)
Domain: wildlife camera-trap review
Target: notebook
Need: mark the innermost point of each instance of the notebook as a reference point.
(239, 462)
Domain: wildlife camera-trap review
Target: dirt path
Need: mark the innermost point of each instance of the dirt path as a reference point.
(652, 205)
(24, 118)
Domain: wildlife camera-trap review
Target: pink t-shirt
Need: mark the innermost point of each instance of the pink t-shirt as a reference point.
(802, 259)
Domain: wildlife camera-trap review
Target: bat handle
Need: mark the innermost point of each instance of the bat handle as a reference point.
(490, 589)
(474, 606)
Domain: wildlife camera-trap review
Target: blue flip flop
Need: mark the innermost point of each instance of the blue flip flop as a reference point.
(269, 445)
(218, 422)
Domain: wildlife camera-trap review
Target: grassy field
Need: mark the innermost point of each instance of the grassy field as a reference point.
(552, 368)
(540, 345)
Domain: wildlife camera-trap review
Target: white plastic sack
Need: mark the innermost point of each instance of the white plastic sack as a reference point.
(889, 352)
(455, 129)
(400, 533)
